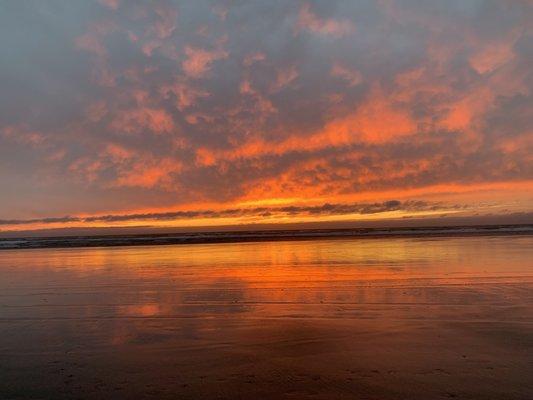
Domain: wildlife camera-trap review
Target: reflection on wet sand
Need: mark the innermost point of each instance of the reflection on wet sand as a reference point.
(376, 318)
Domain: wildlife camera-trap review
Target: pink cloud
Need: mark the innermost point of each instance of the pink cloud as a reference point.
(351, 76)
(252, 58)
(332, 27)
(96, 111)
(91, 43)
(284, 77)
(196, 118)
(167, 21)
(261, 104)
(92, 40)
(118, 153)
(86, 169)
(186, 94)
(220, 11)
(492, 55)
(143, 118)
(22, 135)
(111, 4)
(199, 61)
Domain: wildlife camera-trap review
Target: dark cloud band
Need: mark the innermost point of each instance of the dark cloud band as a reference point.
(326, 209)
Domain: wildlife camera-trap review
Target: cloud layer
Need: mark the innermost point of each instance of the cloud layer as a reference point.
(114, 106)
(326, 209)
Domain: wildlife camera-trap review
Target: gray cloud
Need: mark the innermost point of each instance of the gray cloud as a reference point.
(52, 220)
(106, 110)
(326, 209)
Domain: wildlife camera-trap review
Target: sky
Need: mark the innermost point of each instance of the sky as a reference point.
(206, 113)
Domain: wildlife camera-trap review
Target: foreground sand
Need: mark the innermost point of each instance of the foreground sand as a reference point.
(327, 319)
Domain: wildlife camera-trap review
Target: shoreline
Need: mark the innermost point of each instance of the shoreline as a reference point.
(259, 236)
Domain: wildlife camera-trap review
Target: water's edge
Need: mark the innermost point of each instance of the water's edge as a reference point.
(257, 236)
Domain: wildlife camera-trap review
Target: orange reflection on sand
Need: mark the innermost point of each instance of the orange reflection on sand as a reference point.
(204, 315)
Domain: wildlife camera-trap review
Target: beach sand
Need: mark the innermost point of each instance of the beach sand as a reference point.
(391, 318)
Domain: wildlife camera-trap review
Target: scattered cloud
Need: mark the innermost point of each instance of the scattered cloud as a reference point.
(351, 76)
(116, 106)
(310, 21)
(198, 61)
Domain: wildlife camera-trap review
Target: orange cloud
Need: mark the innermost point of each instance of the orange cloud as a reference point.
(148, 173)
(375, 121)
(118, 153)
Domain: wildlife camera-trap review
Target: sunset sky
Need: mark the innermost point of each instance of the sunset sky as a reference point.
(206, 113)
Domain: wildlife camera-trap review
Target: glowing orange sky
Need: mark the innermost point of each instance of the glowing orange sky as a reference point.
(200, 113)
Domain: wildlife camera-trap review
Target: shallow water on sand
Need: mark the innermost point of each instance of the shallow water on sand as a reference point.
(326, 319)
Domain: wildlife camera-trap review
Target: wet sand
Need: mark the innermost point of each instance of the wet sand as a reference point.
(391, 318)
